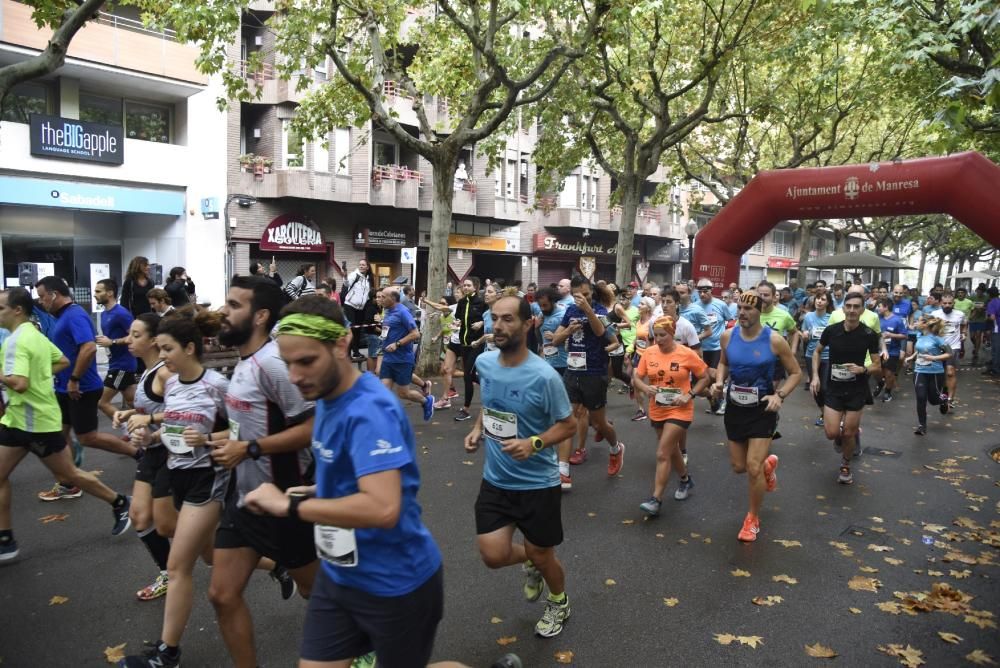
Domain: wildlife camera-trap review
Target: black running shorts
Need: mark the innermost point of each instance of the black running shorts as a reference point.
(537, 513)
(289, 542)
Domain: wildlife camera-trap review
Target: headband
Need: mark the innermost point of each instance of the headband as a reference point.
(312, 326)
(667, 324)
(751, 299)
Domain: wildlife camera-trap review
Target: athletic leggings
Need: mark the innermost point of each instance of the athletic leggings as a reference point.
(824, 368)
(618, 369)
(928, 387)
(469, 355)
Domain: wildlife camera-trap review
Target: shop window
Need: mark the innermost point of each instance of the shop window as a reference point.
(567, 196)
(321, 155)
(782, 243)
(99, 109)
(522, 185)
(148, 122)
(23, 100)
(294, 146)
(342, 150)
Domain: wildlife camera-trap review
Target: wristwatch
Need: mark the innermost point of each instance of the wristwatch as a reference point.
(293, 506)
(537, 444)
(780, 395)
(253, 450)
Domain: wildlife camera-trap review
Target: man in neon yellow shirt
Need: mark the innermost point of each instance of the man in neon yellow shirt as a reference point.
(776, 318)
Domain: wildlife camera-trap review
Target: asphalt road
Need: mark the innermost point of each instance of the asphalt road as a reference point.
(622, 570)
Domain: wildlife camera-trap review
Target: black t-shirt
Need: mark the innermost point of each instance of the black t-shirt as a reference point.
(848, 347)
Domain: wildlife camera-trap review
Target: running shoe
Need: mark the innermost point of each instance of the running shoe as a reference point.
(442, 404)
(819, 421)
(154, 657)
(122, 520)
(155, 590)
(684, 490)
(566, 482)
(579, 456)
(60, 492)
(943, 406)
(887, 398)
(452, 393)
(366, 661)
(8, 550)
(508, 661)
(651, 506)
(615, 461)
(845, 477)
(920, 430)
(878, 389)
(751, 527)
(555, 615)
(598, 436)
(534, 585)
(427, 388)
(284, 579)
(639, 416)
(357, 358)
(428, 407)
(770, 464)
(462, 415)
(721, 410)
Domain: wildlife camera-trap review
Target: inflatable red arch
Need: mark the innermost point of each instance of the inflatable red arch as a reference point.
(965, 185)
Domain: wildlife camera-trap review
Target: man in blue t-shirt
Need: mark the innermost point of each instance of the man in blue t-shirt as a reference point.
(399, 332)
(115, 323)
(894, 331)
(692, 311)
(380, 563)
(716, 314)
(526, 412)
(78, 387)
(583, 330)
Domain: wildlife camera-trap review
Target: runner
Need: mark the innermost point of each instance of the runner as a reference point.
(30, 422)
(547, 300)
(470, 324)
(640, 341)
(268, 440)
(586, 375)
(449, 336)
(813, 325)
(194, 405)
(153, 514)
(380, 586)
(115, 323)
(932, 350)
(664, 376)
(955, 332)
(370, 331)
(686, 335)
(749, 354)
(525, 411)
(851, 343)
(978, 324)
(894, 332)
(399, 332)
(716, 315)
(692, 311)
(778, 319)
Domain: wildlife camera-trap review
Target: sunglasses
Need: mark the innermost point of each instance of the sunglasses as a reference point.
(704, 289)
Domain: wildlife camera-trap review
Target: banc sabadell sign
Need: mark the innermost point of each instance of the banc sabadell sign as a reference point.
(70, 139)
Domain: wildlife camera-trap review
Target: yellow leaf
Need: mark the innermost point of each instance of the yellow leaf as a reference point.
(894, 562)
(591, 514)
(468, 462)
(740, 573)
(724, 638)
(980, 658)
(696, 535)
(768, 601)
(868, 569)
(670, 602)
(707, 541)
(785, 578)
(564, 656)
(935, 573)
(628, 521)
(908, 656)
(891, 607)
(495, 620)
(950, 637)
(960, 575)
(48, 519)
(877, 519)
(610, 582)
(115, 654)
(660, 535)
(838, 545)
(820, 652)
(506, 640)
(820, 513)
(789, 543)
(879, 548)
(752, 641)
(854, 611)
(57, 600)
(980, 622)
(861, 583)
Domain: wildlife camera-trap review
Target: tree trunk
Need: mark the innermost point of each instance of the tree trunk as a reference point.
(937, 269)
(626, 232)
(805, 245)
(921, 267)
(437, 259)
(951, 271)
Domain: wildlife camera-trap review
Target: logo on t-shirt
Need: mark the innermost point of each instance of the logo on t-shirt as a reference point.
(326, 454)
(674, 366)
(384, 447)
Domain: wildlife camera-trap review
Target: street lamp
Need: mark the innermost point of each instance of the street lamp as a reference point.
(244, 201)
(690, 230)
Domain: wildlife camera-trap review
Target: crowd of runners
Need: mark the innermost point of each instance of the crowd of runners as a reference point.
(302, 463)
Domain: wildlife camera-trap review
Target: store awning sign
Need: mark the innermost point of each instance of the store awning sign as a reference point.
(70, 139)
(89, 196)
(292, 232)
(377, 237)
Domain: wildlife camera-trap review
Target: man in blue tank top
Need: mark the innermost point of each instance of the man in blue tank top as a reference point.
(750, 354)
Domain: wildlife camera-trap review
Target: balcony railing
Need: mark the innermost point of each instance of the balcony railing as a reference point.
(261, 73)
(116, 21)
(391, 90)
(382, 173)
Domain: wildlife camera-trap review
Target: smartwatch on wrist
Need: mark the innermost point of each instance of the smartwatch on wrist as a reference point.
(253, 450)
(537, 444)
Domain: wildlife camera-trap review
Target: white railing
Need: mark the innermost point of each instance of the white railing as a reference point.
(116, 21)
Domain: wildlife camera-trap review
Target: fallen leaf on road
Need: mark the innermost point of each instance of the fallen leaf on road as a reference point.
(564, 656)
(908, 656)
(591, 514)
(861, 583)
(785, 578)
(766, 600)
(495, 620)
(115, 654)
(960, 575)
(935, 573)
(48, 519)
(660, 535)
(752, 641)
(981, 622)
(468, 462)
(740, 573)
(891, 607)
(670, 602)
(789, 543)
(838, 545)
(724, 638)
(879, 548)
(950, 637)
(980, 658)
(854, 611)
(707, 541)
(894, 562)
(877, 519)
(628, 522)
(868, 569)
(696, 535)
(820, 652)
(610, 582)
(506, 640)
(57, 600)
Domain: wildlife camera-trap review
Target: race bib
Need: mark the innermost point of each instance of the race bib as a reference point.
(817, 332)
(550, 351)
(923, 360)
(841, 372)
(744, 396)
(336, 546)
(499, 425)
(171, 436)
(577, 361)
(385, 333)
(234, 430)
(665, 395)
(641, 344)
(712, 318)
(949, 329)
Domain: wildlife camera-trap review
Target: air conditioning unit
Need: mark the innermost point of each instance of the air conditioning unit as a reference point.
(258, 40)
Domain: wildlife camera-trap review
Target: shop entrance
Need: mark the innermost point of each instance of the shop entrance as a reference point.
(496, 265)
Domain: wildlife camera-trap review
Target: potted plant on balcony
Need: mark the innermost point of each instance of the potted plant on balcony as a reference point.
(245, 161)
(268, 163)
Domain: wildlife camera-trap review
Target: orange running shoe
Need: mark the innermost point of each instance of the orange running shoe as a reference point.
(751, 527)
(615, 461)
(770, 464)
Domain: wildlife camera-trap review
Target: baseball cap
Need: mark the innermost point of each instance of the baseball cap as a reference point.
(633, 284)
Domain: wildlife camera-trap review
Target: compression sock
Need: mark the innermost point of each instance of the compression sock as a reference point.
(158, 546)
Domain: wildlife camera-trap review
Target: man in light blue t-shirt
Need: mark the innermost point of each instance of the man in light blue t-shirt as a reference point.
(716, 314)
(526, 412)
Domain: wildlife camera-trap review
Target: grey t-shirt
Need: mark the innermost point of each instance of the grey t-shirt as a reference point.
(262, 401)
(147, 403)
(200, 404)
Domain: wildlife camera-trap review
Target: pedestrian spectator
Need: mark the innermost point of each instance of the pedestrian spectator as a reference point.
(180, 287)
(159, 301)
(331, 283)
(257, 269)
(136, 286)
(353, 295)
(304, 282)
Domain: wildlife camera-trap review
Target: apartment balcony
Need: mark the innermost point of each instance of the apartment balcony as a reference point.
(464, 201)
(265, 85)
(295, 183)
(399, 104)
(548, 214)
(395, 185)
(109, 40)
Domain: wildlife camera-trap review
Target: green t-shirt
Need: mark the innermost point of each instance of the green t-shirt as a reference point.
(779, 320)
(628, 335)
(964, 305)
(28, 353)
